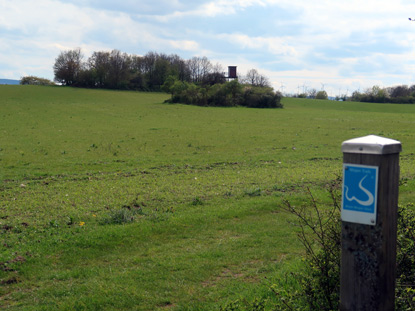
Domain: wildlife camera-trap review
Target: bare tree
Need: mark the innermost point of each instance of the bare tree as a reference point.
(137, 64)
(312, 93)
(67, 66)
(149, 61)
(254, 78)
(119, 68)
(218, 68)
(199, 67)
(205, 66)
(99, 62)
(400, 91)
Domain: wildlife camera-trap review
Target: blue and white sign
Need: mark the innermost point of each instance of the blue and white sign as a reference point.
(360, 189)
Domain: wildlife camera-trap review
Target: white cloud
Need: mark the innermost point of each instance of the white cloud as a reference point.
(186, 45)
(341, 43)
(226, 7)
(273, 45)
(211, 9)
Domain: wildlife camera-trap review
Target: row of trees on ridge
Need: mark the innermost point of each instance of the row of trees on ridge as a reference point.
(195, 81)
(401, 94)
(117, 70)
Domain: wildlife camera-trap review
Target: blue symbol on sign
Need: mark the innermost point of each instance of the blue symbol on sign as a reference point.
(360, 188)
(369, 200)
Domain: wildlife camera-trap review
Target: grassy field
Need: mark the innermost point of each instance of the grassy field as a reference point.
(115, 201)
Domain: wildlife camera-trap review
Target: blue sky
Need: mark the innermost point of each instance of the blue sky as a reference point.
(298, 44)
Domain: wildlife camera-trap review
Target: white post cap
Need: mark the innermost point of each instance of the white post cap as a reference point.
(371, 144)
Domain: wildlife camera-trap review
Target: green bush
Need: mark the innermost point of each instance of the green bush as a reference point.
(220, 96)
(227, 94)
(32, 80)
(322, 95)
(261, 97)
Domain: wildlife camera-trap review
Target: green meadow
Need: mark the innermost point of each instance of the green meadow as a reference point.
(114, 200)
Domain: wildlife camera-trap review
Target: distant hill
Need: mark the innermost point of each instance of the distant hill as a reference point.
(9, 81)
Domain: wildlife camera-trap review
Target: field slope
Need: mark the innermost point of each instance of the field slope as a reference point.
(115, 200)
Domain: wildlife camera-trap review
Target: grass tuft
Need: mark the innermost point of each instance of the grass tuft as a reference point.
(122, 215)
(256, 192)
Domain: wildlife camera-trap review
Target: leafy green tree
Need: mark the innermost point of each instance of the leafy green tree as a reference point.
(168, 83)
(322, 95)
(220, 95)
(378, 92)
(160, 73)
(356, 96)
(179, 86)
(177, 89)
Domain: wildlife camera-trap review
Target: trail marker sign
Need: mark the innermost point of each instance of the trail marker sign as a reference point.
(369, 223)
(359, 194)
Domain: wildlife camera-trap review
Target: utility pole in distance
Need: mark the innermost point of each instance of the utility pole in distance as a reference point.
(369, 223)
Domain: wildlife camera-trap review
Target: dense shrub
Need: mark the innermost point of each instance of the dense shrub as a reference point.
(261, 97)
(227, 94)
(401, 94)
(402, 100)
(322, 95)
(32, 80)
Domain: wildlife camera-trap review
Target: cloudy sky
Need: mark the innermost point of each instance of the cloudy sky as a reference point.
(338, 45)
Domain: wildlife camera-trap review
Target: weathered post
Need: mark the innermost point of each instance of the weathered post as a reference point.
(369, 223)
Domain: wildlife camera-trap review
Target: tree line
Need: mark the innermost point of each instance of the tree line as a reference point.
(195, 81)
(401, 94)
(118, 70)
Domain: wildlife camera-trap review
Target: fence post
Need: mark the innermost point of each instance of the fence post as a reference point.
(369, 223)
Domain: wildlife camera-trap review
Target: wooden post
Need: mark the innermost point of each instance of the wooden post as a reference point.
(369, 223)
